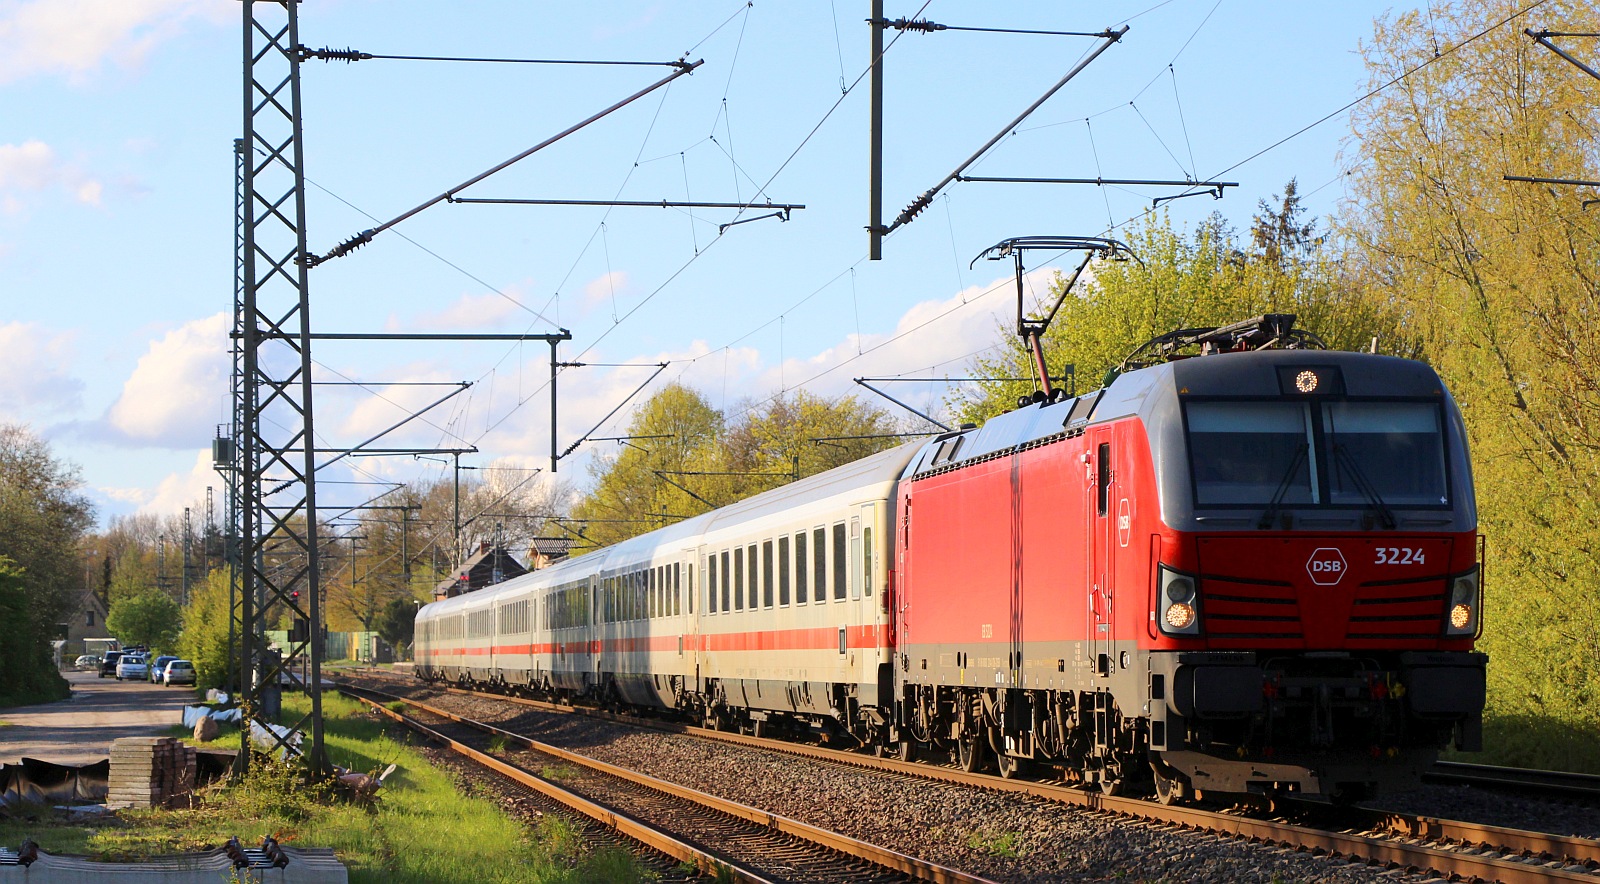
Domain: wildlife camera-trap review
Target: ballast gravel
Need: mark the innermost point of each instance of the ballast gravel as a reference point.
(1002, 836)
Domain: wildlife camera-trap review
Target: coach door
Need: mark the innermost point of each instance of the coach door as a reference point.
(865, 541)
(1102, 546)
(686, 611)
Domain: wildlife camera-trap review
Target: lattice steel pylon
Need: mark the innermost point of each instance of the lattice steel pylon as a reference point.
(276, 458)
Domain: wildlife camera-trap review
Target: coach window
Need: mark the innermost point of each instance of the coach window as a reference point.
(727, 605)
(800, 568)
(738, 578)
(711, 584)
(819, 564)
(866, 559)
(750, 564)
(766, 574)
(855, 556)
(783, 571)
(841, 564)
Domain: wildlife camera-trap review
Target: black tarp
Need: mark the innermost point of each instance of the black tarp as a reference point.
(32, 781)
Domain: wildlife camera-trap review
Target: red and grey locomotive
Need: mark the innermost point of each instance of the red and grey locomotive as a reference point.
(1252, 570)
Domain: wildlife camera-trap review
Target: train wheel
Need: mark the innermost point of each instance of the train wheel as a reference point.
(1112, 781)
(970, 751)
(1169, 789)
(908, 750)
(1010, 766)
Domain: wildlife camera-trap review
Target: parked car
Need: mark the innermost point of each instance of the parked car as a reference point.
(178, 672)
(87, 663)
(108, 663)
(131, 666)
(159, 665)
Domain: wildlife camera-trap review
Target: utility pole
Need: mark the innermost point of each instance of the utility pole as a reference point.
(188, 540)
(277, 458)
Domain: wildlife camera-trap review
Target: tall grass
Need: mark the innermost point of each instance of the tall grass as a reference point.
(422, 828)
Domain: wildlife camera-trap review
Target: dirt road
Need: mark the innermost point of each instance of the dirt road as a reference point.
(81, 729)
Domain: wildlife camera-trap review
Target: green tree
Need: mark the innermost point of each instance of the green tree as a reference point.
(397, 623)
(151, 619)
(43, 517)
(27, 673)
(204, 639)
(1497, 281)
(1205, 277)
(632, 489)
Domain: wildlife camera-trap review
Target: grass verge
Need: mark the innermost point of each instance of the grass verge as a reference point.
(422, 828)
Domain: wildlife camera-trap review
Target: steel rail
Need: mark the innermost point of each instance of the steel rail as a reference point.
(1562, 850)
(922, 870)
(1566, 783)
(638, 830)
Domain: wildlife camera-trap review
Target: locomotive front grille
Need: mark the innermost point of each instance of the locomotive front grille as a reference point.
(1250, 612)
(1391, 609)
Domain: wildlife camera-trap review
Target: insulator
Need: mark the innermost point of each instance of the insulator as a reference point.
(920, 24)
(326, 54)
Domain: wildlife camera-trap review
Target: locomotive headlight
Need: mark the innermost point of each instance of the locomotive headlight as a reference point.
(1466, 600)
(1177, 603)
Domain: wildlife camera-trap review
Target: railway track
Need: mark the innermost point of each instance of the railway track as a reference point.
(1452, 849)
(719, 837)
(1544, 783)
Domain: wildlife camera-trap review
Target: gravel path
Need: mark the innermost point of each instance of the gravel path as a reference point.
(80, 729)
(997, 835)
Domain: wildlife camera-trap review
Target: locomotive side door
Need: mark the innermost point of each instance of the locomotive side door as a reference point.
(1102, 547)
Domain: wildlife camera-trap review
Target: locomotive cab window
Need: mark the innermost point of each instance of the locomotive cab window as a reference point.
(1395, 446)
(1337, 453)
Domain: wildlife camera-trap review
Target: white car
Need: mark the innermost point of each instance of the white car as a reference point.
(131, 666)
(87, 662)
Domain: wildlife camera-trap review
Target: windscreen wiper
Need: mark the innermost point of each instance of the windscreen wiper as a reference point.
(1283, 488)
(1385, 515)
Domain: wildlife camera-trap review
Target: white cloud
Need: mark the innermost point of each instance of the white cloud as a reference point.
(34, 363)
(468, 312)
(173, 396)
(32, 167)
(126, 495)
(931, 339)
(76, 37)
(179, 490)
(604, 288)
(366, 413)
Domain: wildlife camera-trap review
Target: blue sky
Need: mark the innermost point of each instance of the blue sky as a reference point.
(117, 119)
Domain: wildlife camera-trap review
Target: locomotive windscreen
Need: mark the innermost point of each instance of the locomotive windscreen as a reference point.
(1252, 453)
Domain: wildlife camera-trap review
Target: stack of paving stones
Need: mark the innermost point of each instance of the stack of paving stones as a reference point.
(150, 771)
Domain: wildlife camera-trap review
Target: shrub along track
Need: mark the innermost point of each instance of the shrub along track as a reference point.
(1390, 840)
(717, 836)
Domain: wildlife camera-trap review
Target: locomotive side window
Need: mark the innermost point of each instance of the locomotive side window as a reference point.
(1395, 446)
(841, 562)
(1102, 479)
(819, 563)
(800, 572)
(1245, 452)
(783, 571)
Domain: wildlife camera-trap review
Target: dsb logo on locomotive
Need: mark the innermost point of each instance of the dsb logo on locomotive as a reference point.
(1326, 566)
